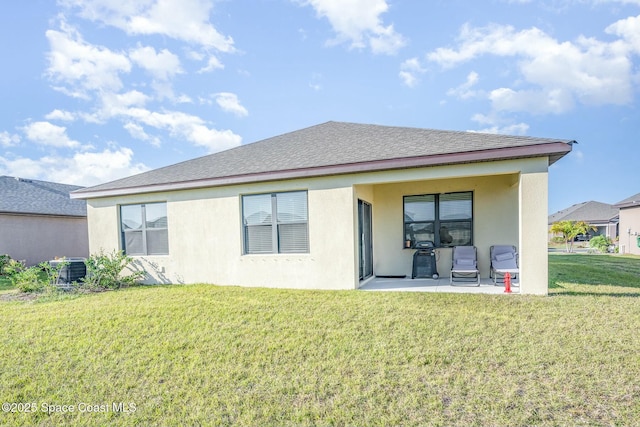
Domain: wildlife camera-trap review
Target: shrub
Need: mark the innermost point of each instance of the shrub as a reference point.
(23, 278)
(105, 271)
(601, 243)
(4, 261)
(37, 278)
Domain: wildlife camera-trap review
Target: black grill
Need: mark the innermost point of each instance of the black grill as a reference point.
(424, 261)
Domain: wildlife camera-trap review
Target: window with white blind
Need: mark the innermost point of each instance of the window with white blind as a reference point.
(144, 229)
(275, 223)
(445, 219)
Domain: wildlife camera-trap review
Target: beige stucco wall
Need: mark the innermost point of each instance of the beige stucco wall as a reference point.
(629, 230)
(533, 206)
(205, 233)
(205, 238)
(38, 238)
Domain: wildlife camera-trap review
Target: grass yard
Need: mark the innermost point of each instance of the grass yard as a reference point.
(207, 355)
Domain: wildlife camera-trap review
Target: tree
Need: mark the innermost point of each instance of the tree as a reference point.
(569, 230)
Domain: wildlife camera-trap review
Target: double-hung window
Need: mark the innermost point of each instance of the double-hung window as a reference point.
(144, 229)
(275, 223)
(445, 219)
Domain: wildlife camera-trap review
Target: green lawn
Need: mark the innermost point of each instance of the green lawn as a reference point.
(594, 274)
(207, 355)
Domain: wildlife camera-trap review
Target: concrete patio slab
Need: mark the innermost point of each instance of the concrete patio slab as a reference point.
(435, 285)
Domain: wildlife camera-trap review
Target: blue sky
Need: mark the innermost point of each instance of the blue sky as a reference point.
(96, 90)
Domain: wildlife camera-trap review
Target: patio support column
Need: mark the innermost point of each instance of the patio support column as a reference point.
(534, 263)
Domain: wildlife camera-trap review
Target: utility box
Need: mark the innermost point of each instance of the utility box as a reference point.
(638, 239)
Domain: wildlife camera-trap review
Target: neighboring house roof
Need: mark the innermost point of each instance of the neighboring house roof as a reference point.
(333, 148)
(629, 202)
(590, 212)
(29, 196)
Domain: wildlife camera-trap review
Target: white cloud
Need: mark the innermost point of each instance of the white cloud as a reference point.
(64, 116)
(558, 74)
(629, 30)
(229, 102)
(115, 105)
(195, 55)
(189, 127)
(185, 20)
(212, 64)
(183, 99)
(212, 139)
(22, 166)
(410, 70)
(533, 101)
(464, 91)
(83, 67)
(8, 140)
(129, 108)
(162, 65)
(137, 131)
(497, 125)
(88, 168)
(45, 133)
(515, 129)
(93, 168)
(359, 22)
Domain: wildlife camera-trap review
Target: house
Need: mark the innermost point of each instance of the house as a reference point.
(330, 206)
(602, 216)
(39, 221)
(629, 224)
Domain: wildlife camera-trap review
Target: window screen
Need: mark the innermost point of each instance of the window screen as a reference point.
(144, 229)
(445, 219)
(275, 223)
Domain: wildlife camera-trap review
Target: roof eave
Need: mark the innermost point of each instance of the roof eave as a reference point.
(554, 151)
(633, 204)
(56, 215)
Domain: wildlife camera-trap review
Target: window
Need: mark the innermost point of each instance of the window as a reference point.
(275, 223)
(144, 229)
(445, 219)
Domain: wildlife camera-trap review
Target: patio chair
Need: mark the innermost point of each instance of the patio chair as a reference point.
(465, 264)
(504, 259)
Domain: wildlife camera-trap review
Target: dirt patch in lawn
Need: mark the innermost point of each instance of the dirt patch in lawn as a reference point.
(18, 296)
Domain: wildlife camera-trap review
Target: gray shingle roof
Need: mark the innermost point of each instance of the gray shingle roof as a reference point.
(629, 202)
(590, 212)
(329, 145)
(29, 196)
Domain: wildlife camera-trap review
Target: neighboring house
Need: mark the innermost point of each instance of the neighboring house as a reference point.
(630, 224)
(600, 215)
(329, 206)
(39, 221)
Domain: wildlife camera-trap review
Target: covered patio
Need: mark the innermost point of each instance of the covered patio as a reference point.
(442, 284)
(479, 204)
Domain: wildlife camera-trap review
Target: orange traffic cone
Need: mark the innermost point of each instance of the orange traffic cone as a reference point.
(507, 282)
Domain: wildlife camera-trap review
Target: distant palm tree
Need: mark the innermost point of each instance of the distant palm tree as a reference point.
(569, 230)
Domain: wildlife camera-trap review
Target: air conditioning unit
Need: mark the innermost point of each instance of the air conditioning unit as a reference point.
(75, 269)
